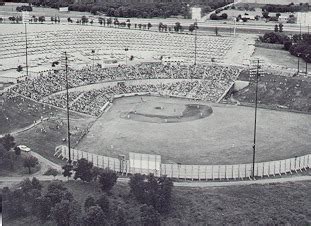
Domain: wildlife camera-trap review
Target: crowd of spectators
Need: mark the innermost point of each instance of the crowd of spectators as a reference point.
(205, 82)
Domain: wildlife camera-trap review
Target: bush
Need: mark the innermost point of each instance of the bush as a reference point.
(224, 16)
(149, 216)
(107, 179)
(51, 172)
(94, 217)
(89, 201)
(154, 191)
(103, 203)
(83, 170)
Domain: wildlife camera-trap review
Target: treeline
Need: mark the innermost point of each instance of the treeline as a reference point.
(286, 8)
(129, 9)
(298, 45)
(57, 204)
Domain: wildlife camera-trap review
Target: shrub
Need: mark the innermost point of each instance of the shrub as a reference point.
(89, 201)
(107, 179)
(83, 170)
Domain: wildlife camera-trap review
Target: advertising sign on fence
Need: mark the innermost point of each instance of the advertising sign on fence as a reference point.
(145, 163)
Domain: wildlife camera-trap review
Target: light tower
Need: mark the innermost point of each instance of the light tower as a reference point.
(255, 71)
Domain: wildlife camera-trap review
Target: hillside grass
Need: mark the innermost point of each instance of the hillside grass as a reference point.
(287, 203)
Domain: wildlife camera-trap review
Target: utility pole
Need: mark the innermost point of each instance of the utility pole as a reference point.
(195, 42)
(93, 51)
(126, 49)
(298, 66)
(307, 55)
(68, 117)
(25, 18)
(255, 71)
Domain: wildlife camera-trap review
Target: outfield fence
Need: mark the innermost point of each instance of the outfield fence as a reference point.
(146, 164)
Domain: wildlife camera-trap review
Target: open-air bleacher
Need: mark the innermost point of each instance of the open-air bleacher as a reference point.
(203, 82)
(46, 47)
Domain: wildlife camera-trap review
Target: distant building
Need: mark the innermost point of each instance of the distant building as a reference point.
(273, 2)
(63, 9)
(283, 19)
(304, 18)
(196, 13)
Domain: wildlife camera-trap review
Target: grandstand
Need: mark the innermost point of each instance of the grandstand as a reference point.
(45, 47)
(203, 82)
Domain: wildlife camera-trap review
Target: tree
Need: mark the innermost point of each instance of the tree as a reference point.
(281, 27)
(103, 203)
(265, 14)
(149, 25)
(17, 151)
(276, 28)
(94, 217)
(30, 162)
(107, 179)
(84, 20)
(224, 16)
(66, 213)
(36, 184)
(137, 186)
(83, 170)
(51, 172)
(55, 192)
(121, 217)
(67, 170)
(14, 203)
(43, 206)
(89, 201)
(7, 141)
(149, 216)
(26, 185)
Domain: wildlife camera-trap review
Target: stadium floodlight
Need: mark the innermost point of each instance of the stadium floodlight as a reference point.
(298, 66)
(255, 71)
(93, 52)
(25, 19)
(307, 55)
(126, 49)
(65, 63)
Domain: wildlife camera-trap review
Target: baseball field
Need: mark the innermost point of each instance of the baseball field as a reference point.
(223, 137)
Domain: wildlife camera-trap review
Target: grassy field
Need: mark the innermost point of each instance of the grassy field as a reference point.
(18, 113)
(272, 204)
(18, 168)
(45, 137)
(279, 57)
(225, 137)
(279, 92)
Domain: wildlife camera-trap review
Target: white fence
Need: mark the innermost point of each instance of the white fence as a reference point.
(192, 172)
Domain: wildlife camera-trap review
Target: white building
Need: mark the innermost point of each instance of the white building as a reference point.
(196, 13)
(304, 18)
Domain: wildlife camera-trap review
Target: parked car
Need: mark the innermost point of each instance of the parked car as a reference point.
(24, 148)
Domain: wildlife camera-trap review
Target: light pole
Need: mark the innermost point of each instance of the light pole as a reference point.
(93, 52)
(195, 42)
(67, 97)
(307, 55)
(126, 49)
(257, 64)
(26, 50)
(298, 66)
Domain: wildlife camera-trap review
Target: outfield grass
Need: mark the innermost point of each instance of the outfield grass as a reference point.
(225, 137)
(286, 203)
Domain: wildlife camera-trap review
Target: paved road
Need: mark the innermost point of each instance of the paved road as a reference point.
(6, 181)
